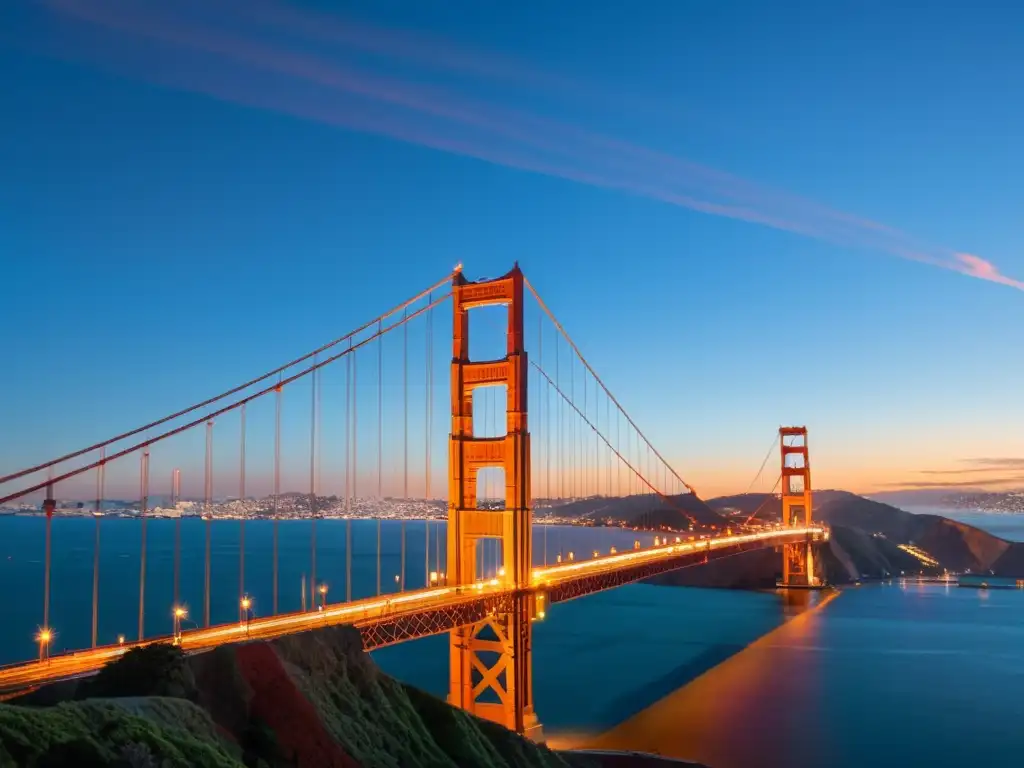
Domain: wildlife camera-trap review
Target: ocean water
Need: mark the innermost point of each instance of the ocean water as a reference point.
(22, 548)
(880, 675)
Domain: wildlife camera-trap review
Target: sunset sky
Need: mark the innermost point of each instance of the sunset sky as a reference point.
(746, 215)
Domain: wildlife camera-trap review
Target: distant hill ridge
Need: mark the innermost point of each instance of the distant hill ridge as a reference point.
(672, 511)
(957, 546)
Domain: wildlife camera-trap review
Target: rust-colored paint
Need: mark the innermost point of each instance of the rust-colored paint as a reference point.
(797, 559)
(507, 632)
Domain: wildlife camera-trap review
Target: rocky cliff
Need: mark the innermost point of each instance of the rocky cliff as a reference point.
(312, 699)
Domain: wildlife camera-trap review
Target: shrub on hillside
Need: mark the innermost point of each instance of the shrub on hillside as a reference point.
(153, 670)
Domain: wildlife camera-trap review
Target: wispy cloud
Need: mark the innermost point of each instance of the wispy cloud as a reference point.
(975, 266)
(979, 466)
(1007, 482)
(278, 58)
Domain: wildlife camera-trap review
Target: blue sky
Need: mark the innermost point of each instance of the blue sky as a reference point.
(187, 200)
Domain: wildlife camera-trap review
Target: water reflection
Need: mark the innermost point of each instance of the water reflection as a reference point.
(732, 714)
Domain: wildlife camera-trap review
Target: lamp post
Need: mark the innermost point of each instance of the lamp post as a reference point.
(179, 614)
(323, 596)
(43, 637)
(245, 607)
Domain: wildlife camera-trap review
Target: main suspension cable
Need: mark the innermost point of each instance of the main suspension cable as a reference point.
(233, 391)
(607, 391)
(225, 409)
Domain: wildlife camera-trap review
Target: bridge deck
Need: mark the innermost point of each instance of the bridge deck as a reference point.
(392, 619)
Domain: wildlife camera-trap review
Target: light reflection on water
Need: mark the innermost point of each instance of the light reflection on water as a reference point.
(879, 676)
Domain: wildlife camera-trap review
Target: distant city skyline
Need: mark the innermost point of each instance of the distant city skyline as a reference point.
(738, 239)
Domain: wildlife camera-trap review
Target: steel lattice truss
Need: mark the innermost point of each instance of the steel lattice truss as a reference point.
(398, 627)
(598, 582)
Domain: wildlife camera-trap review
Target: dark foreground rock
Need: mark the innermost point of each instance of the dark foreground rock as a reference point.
(313, 699)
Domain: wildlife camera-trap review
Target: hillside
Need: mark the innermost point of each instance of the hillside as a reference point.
(864, 544)
(674, 509)
(956, 545)
(311, 699)
(768, 506)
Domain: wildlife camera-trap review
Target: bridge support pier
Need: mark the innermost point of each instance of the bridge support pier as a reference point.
(490, 661)
(797, 559)
(491, 674)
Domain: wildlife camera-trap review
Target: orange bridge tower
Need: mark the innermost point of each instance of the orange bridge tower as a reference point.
(797, 559)
(490, 665)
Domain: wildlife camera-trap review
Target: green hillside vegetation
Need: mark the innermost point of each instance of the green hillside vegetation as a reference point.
(310, 699)
(100, 733)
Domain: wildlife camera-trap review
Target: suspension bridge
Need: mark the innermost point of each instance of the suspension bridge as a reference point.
(579, 456)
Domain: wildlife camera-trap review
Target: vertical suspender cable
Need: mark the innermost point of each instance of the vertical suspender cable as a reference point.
(97, 513)
(241, 510)
(312, 490)
(144, 495)
(277, 486)
(380, 439)
(428, 378)
(355, 438)
(50, 504)
(177, 545)
(405, 433)
(348, 474)
(545, 413)
(208, 513)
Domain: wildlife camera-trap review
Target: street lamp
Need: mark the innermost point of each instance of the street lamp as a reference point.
(43, 637)
(120, 640)
(323, 596)
(179, 613)
(246, 605)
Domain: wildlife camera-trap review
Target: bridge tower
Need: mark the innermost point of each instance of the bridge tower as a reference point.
(490, 663)
(797, 559)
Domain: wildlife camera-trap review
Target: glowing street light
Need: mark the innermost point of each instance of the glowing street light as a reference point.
(120, 640)
(433, 577)
(43, 637)
(323, 596)
(180, 612)
(245, 605)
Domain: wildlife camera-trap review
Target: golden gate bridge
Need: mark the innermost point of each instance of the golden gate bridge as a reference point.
(525, 427)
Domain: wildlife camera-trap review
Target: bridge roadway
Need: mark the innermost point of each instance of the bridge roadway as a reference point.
(390, 619)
